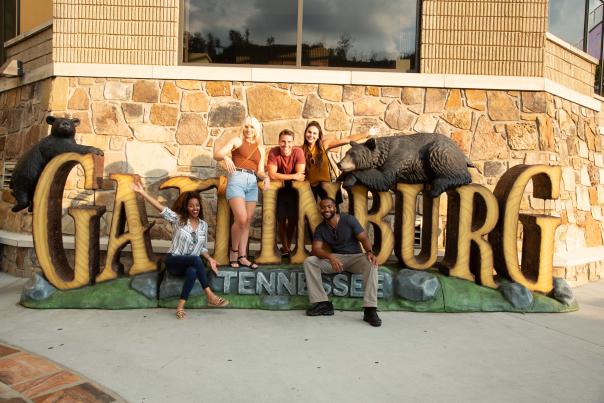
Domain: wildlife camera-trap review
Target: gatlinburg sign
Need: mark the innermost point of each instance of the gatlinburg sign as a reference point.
(481, 230)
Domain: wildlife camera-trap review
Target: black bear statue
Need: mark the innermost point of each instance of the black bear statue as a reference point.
(415, 158)
(29, 167)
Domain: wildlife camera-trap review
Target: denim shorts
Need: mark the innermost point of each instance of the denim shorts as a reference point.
(242, 184)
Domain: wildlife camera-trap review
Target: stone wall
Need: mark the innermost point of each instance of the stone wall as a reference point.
(502, 38)
(20, 262)
(23, 112)
(142, 32)
(161, 128)
(581, 274)
(569, 66)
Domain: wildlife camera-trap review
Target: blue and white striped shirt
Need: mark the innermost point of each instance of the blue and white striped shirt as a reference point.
(185, 241)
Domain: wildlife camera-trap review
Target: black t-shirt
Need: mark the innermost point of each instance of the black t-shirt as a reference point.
(342, 239)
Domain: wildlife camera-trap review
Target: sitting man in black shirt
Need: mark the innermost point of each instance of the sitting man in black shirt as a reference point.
(342, 232)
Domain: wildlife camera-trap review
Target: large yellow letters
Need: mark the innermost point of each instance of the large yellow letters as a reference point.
(128, 210)
(47, 233)
(404, 224)
(473, 213)
(538, 244)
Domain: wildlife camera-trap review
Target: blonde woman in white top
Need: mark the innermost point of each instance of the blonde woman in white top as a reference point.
(189, 242)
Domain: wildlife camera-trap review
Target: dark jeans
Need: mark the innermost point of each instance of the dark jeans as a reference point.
(190, 267)
(287, 203)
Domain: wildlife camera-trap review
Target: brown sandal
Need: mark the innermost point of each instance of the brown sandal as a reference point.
(181, 314)
(252, 265)
(218, 302)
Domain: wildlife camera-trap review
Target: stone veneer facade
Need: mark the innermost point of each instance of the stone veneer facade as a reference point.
(161, 128)
(179, 122)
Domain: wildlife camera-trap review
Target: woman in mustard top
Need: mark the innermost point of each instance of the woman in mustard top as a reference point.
(315, 149)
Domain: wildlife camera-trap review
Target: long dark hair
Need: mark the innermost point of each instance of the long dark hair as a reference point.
(306, 146)
(181, 203)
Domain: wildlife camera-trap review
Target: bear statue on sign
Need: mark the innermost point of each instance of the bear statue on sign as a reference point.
(30, 165)
(416, 158)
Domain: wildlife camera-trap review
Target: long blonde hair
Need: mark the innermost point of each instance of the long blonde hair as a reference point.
(257, 128)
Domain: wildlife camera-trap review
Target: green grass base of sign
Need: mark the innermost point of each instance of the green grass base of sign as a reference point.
(455, 295)
(115, 294)
(465, 296)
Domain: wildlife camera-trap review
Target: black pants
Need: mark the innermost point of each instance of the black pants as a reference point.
(191, 267)
(287, 203)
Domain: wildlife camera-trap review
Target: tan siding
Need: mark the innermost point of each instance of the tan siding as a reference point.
(483, 37)
(34, 51)
(122, 32)
(568, 68)
(34, 13)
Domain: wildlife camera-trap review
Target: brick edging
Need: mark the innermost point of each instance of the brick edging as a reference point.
(28, 377)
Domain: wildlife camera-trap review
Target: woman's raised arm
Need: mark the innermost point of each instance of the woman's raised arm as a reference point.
(138, 188)
(222, 153)
(332, 143)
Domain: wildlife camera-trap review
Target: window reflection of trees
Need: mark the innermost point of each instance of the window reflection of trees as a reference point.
(240, 50)
(326, 40)
(318, 55)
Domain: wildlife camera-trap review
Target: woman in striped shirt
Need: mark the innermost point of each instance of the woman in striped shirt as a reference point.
(189, 241)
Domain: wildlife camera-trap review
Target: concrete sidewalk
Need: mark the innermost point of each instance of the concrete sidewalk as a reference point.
(269, 356)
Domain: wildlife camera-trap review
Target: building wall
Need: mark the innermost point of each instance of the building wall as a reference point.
(483, 37)
(34, 13)
(569, 67)
(180, 122)
(33, 51)
(140, 32)
(23, 112)
(500, 38)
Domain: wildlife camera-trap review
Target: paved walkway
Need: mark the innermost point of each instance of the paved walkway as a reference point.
(25, 377)
(272, 356)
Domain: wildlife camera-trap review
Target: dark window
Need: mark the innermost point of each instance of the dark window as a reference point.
(8, 17)
(580, 22)
(566, 20)
(241, 32)
(328, 33)
(359, 33)
(595, 22)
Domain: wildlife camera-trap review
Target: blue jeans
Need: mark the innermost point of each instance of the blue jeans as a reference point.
(242, 184)
(190, 267)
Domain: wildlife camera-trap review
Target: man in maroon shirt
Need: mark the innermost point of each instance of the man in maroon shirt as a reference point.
(286, 163)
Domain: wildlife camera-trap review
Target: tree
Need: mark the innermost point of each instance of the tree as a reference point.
(344, 45)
